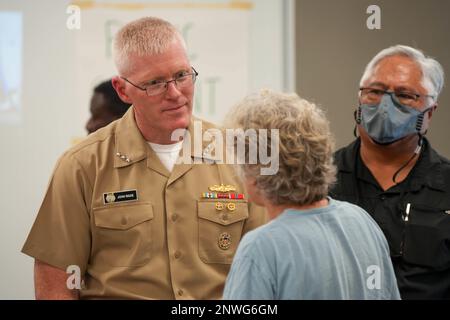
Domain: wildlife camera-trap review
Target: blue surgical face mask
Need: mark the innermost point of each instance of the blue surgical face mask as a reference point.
(389, 120)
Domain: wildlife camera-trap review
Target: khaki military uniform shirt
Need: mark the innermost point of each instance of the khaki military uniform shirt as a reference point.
(134, 229)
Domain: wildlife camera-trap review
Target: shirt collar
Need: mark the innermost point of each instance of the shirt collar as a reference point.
(131, 146)
(346, 159)
(428, 168)
(427, 171)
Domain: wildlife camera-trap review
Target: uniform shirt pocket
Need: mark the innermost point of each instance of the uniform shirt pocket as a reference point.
(123, 235)
(220, 229)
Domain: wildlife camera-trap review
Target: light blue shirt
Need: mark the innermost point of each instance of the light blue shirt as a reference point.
(333, 252)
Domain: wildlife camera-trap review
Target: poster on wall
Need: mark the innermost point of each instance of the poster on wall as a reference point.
(216, 34)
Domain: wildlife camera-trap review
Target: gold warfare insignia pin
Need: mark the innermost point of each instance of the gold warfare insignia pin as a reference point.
(222, 188)
(219, 206)
(224, 241)
(231, 206)
(110, 197)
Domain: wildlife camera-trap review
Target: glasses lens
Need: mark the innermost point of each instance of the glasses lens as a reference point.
(156, 89)
(371, 95)
(406, 98)
(183, 81)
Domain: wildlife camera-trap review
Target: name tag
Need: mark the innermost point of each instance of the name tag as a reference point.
(120, 196)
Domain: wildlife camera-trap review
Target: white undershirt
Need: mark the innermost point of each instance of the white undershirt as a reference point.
(167, 153)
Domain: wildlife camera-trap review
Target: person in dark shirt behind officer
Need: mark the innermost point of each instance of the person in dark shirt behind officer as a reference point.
(106, 106)
(392, 171)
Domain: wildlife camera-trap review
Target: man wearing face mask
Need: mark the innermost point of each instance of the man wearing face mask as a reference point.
(392, 171)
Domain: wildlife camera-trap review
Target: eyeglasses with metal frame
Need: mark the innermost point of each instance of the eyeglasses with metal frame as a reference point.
(182, 79)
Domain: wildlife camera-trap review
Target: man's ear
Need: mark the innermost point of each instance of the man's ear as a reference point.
(427, 119)
(119, 86)
(430, 112)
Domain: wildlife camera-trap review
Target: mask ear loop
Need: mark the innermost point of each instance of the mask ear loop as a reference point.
(416, 152)
(357, 117)
(419, 124)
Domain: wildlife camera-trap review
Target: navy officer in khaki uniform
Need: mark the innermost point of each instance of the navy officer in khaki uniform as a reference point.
(122, 211)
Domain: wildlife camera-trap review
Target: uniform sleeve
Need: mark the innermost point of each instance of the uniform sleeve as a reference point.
(60, 235)
(248, 278)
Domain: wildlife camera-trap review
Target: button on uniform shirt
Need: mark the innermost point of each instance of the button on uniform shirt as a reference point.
(135, 229)
(414, 216)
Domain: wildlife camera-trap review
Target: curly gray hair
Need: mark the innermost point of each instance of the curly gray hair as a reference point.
(306, 146)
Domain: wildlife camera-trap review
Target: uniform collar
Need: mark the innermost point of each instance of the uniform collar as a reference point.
(427, 171)
(198, 155)
(131, 146)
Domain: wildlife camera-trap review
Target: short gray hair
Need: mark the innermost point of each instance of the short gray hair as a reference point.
(145, 36)
(432, 71)
(306, 146)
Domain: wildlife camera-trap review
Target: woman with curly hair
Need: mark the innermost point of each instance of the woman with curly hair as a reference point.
(314, 247)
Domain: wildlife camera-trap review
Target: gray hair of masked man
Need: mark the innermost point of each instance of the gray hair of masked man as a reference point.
(432, 71)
